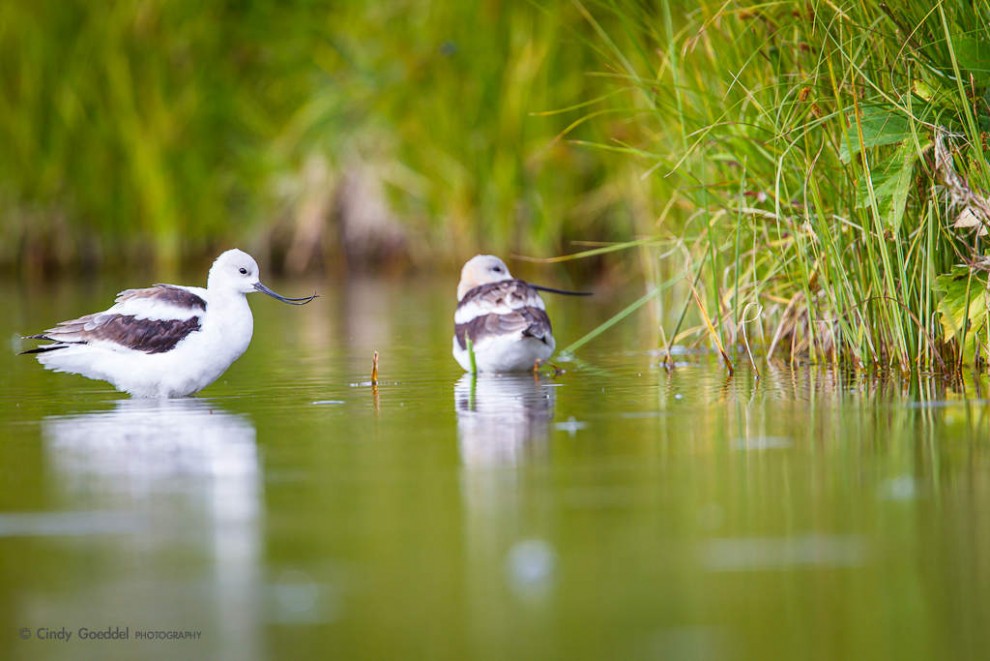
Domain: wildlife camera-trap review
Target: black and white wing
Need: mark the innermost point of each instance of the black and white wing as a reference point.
(501, 308)
(151, 320)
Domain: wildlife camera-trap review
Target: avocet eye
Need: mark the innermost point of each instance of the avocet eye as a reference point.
(243, 271)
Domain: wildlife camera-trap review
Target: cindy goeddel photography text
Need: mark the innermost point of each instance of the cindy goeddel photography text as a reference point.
(64, 634)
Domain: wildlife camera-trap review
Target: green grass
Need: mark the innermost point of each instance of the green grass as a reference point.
(798, 140)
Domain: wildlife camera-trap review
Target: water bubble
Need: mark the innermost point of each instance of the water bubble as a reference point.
(531, 565)
(296, 598)
(572, 426)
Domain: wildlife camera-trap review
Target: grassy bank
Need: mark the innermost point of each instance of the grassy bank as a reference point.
(824, 169)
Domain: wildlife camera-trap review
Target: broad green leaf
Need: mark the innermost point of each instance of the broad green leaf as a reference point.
(882, 125)
(902, 187)
(892, 180)
(962, 303)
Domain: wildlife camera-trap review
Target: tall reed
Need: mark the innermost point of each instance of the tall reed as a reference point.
(799, 143)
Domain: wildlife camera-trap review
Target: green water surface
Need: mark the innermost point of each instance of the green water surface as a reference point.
(617, 511)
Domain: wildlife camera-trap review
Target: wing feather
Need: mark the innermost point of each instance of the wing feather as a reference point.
(497, 298)
(160, 302)
(151, 320)
(528, 321)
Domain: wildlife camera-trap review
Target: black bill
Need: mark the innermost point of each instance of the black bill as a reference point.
(285, 299)
(561, 291)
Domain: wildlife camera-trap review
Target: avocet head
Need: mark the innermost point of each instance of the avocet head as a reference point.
(481, 270)
(237, 271)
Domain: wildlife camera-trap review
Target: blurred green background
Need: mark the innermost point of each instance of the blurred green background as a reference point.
(808, 175)
(314, 133)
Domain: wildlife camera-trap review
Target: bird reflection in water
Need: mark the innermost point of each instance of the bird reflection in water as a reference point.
(187, 474)
(503, 426)
(501, 418)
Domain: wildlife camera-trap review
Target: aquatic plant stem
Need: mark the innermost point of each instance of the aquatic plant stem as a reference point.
(625, 312)
(470, 351)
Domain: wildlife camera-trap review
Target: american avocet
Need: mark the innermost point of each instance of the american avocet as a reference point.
(166, 340)
(504, 319)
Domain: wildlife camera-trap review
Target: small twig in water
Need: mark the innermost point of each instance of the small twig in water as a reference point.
(745, 337)
(711, 329)
(374, 382)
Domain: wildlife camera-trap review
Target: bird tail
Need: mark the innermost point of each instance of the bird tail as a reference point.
(45, 349)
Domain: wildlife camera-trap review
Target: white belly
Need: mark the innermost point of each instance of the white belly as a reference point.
(508, 353)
